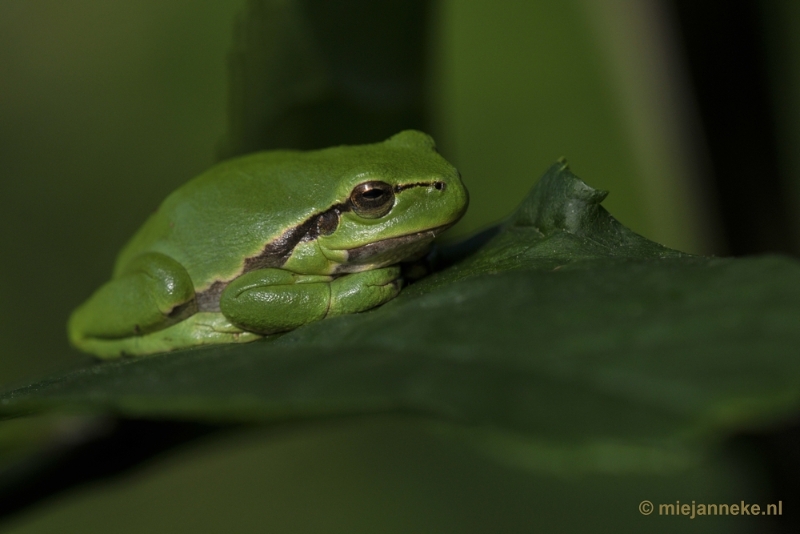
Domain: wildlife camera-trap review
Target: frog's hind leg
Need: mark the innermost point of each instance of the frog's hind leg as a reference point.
(153, 292)
(204, 328)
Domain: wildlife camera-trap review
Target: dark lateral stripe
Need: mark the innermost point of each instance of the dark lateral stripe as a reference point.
(277, 251)
(401, 188)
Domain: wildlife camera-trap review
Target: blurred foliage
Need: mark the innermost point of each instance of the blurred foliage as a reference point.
(377, 475)
(520, 84)
(781, 20)
(298, 82)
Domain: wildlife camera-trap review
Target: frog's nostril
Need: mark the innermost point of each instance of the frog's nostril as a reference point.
(440, 186)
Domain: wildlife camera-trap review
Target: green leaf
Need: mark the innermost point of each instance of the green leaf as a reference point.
(566, 342)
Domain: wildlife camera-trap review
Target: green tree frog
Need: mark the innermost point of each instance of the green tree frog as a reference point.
(268, 242)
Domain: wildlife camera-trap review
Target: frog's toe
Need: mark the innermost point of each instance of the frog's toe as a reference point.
(205, 328)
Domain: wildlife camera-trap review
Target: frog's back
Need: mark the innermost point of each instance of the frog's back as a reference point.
(233, 210)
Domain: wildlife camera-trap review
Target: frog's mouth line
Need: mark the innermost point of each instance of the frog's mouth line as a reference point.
(403, 244)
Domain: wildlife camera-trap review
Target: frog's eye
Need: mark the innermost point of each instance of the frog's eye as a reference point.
(372, 199)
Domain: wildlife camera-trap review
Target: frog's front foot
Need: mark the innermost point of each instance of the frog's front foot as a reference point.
(269, 301)
(359, 292)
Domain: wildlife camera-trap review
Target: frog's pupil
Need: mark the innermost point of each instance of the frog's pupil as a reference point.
(373, 194)
(372, 199)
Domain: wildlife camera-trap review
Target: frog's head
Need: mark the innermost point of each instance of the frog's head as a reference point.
(399, 197)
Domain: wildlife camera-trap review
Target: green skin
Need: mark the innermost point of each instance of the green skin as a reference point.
(271, 241)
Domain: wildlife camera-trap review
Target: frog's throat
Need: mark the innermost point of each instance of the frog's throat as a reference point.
(389, 251)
